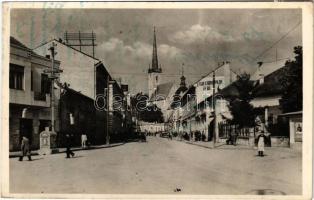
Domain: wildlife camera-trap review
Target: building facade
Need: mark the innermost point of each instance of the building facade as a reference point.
(89, 77)
(30, 90)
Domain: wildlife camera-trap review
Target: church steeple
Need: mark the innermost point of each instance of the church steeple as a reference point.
(155, 67)
(154, 71)
(182, 83)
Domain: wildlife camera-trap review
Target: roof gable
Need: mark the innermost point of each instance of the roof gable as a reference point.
(162, 91)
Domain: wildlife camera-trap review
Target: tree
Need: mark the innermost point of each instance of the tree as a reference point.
(292, 83)
(242, 111)
(146, 112)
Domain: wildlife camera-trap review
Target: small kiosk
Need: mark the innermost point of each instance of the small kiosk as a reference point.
(295, 128)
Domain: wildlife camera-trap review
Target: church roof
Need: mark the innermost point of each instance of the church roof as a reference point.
(181, 89)
(163, 90)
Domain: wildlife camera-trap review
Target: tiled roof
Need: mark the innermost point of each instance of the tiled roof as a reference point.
(163, 90)
(271, 85)
(18, 43)
(268, 68)
(230, 91)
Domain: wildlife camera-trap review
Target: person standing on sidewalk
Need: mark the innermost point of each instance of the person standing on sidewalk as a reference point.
(83, 140)
(261, 144)
(68, 143)
(25, 149)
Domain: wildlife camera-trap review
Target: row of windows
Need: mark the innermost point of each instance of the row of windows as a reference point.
(209, 82)
(16, 79)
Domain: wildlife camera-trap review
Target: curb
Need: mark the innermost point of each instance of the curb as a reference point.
(63, 150)
(207, 147)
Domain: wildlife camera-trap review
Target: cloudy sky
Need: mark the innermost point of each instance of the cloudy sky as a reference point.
(199, 38)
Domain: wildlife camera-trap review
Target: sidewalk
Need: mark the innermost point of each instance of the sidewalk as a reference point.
(15, 154)
(210, 145)
(220, 145)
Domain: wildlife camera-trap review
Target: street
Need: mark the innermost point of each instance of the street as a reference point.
(161, 166)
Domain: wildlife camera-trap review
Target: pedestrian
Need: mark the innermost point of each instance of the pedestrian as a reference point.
(83, 140)
(68, 143)
(261, 144)
(25, 149)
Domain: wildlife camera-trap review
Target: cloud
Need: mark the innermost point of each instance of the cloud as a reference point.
(169, 51)
(199, 34)
(138, 49)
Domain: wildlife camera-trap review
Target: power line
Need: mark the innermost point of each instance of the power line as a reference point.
(144, 74)
(267, 49)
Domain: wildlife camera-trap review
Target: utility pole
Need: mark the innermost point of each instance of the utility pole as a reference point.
(214, 108)
(107, 113)
(52, 77)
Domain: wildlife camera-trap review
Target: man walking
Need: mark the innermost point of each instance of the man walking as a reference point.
(83, 140)
(25, 149)
(68, 143)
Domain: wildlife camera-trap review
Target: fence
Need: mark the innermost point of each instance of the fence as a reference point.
(226, 129)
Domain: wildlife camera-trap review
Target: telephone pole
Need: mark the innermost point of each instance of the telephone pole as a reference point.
(107, 113)
(214, 109)
(52, 77)
(53, 73)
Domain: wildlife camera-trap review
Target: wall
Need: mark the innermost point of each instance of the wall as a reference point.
(152, 127)
(86, 119)
(279, 141)
(223, 77)
(83, 79)
(265, 101)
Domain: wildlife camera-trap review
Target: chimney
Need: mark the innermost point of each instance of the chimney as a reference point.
(261, 78)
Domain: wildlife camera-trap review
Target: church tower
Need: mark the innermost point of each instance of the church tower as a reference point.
(154, 71)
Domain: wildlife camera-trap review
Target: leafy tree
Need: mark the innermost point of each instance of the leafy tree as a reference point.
(291, 81)
(243, 112)
(146, 112)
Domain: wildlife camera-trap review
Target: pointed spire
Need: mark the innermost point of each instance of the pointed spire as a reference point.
(155, 67)
(155, 58)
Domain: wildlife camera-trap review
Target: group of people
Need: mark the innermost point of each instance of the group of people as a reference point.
(26, 150)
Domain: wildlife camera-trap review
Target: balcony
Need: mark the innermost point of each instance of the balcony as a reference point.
(38, 96)
(30, 98)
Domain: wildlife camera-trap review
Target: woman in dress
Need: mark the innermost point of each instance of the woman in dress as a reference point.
(261, 144)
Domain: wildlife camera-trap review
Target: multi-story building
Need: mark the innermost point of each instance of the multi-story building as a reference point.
(195, 115)
(30, 88)
(88, 76)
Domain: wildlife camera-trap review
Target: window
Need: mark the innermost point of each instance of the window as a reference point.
(16, 77)
(45, 84)
(156, 78)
